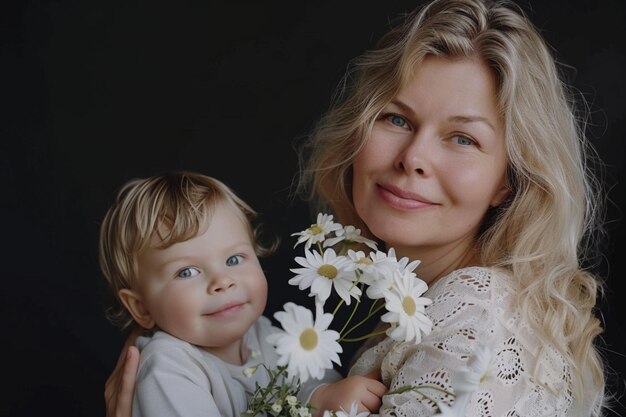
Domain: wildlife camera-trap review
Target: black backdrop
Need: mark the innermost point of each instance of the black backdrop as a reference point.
(98, 92)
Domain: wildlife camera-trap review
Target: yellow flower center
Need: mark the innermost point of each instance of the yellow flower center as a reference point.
(365, 261)
(308, 339)
(315, 229)
(327, 271)
(409, 305)
(484, 377)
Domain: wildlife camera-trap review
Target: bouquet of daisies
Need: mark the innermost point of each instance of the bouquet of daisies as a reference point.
(310, 341)
(308, 345)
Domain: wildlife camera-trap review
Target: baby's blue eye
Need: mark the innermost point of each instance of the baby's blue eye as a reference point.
(463, 140)
(187, 273)
(233, 260)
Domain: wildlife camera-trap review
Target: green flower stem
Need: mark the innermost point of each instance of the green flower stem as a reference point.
(358, 339)
(369, 316)
(418, 389)
(358, 278)
(344, 248)
(320, 249)
(373, 305)
(337, 307)
(263, 397)
(356, 305)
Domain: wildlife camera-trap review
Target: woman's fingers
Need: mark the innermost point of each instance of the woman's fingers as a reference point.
(127, 387)
(120, 385)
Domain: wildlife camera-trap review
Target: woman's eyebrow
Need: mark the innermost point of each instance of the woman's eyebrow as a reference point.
(405, 107)
(472, 119)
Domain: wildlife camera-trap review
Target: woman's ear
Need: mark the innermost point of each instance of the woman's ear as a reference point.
(136, 307)
(501, 194)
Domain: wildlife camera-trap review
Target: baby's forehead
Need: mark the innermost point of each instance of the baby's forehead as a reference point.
(177, 226)
(166, 233)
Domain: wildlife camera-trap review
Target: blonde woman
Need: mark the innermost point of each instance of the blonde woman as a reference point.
(458, 145)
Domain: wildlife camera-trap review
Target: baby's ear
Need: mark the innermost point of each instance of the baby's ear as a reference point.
(136, 307)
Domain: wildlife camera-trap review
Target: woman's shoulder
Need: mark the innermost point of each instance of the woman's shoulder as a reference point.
(486, 295)
(474, 282)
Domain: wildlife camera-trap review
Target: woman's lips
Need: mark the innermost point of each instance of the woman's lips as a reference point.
(402, 199)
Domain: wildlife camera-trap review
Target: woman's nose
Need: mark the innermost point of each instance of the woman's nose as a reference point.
(415, 155)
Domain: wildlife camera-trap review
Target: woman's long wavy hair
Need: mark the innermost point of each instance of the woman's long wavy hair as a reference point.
(542, 232)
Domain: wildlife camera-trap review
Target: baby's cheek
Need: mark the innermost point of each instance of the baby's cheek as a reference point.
(260, 295)
(179, 311)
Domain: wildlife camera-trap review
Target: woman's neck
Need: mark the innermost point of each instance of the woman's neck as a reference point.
(439, 261)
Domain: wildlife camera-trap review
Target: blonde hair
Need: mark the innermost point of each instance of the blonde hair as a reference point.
(542, 231)
(176, 203)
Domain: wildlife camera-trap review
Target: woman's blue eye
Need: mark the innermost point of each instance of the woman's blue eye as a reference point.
(233, 260)
(397, 120)
(463, 140)
(187, 273)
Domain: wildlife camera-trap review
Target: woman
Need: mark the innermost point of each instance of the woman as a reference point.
(456, 143)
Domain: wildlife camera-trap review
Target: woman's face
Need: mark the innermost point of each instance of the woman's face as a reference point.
(435, 160)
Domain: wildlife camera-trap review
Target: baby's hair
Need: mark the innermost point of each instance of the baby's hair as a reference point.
(168, 209)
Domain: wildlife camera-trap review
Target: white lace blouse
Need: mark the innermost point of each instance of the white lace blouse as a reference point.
(472, 306)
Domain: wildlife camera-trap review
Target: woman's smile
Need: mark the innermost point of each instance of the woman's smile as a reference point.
(402, 199)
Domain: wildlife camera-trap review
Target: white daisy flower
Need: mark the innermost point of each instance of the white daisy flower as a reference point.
(386, 263)
(385, 279)
(372, 267)
(377, 288)
(479, 368)
(350, 235)
(248, 372)
(317, 232)
(307, 347)
(322, 273)
(405, 308)
(277, 408)
(342, 413)
(405, 265)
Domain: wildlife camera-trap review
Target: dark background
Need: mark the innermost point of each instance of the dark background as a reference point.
(98, 92)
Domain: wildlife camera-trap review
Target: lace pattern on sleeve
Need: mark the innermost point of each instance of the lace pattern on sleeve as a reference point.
(472, 306)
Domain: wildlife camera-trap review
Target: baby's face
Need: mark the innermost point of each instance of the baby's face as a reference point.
(207, 290)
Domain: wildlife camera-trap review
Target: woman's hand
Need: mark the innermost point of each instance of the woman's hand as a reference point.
(120, 385)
